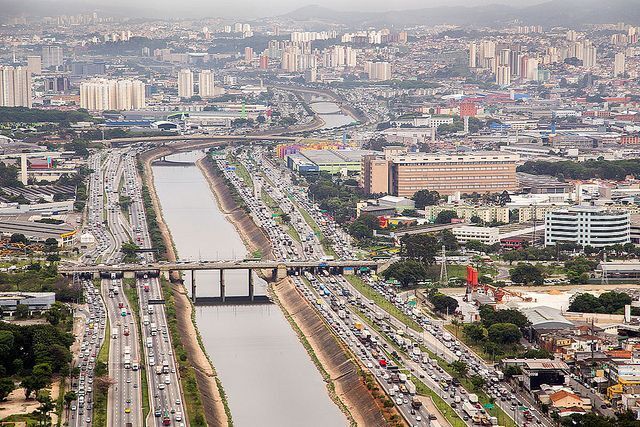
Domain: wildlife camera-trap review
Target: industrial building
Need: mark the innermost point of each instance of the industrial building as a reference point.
(36, 301)
(331, 161)
(536, 372)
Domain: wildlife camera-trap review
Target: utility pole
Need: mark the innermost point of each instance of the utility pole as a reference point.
(605, 277)
(443, 267)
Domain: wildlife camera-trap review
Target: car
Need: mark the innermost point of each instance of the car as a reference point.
(161, 386)
(178, 402)
(127, 410)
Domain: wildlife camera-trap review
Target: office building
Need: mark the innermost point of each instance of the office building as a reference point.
(479, 172)
(185, 83)
(84, 69)
(34, 64)
(51, 57)
(15, 87)
(106, 94)
(36, 302)
(587, 226)
(378, 70)
(619, 64)
(485, 235)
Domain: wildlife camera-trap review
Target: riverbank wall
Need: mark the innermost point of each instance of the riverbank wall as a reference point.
(345, 384)
(209, 386)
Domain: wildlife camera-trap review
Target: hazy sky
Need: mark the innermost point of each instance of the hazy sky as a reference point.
(260, 8)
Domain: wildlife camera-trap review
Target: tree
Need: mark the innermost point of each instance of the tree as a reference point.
(511, 370)
(526, 274)
(443, 303)
(449, 241)
(406, 272)
(475, 332)
(46, 406)
(608, 302)
(286, 218)
(6, 387)
(69, 397)
(459, 367)
(425, 198)
(490, 316)
(534, 353)
(22, 311)
(18, 238)
(363, 226)
(504, 333)
(445, 217)
(423, 247)
(477, 382)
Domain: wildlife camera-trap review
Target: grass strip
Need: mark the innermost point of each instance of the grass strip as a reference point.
(192, 402)
(452, 417)
(382, 302)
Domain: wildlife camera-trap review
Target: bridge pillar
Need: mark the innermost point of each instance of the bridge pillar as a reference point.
(222, 296)
(281, 272)
(250, 284)
(193, 286)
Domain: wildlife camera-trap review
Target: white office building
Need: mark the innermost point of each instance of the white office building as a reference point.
(587, 226)
(486, 235)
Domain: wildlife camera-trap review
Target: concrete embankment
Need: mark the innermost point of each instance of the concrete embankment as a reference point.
(206, 377)
(334, 358)
(253, 237)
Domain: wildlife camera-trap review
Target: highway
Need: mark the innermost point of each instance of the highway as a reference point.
(91, 339)
(124, 400)
(162, 372)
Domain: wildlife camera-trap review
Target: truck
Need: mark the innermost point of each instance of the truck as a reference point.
(411, 387)
(145, 320)
(178, 416)
(127, 361)
(145, 287)
(415, 402)
(473, 398)
(153, 328)
(149, 342)
(158, 370)
(114, 333)
(470, 410)
(358, 325)
(135, 365)
(402, 377)
(342, 314)
(165, 366)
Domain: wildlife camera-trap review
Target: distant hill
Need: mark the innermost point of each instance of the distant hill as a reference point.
(551, 13)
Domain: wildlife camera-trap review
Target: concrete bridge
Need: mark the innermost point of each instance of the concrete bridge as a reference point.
(279, 270)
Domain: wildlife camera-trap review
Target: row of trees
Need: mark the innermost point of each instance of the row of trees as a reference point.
(609, 302)
(604, 169)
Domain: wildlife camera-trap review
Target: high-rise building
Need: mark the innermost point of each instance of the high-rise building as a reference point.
(206, 85)
(264, 62)
(108, 94)
(185, 83)
(15, 87)
(473, 55)
(34, 64)
(378, 70)
(51, 57)
(619, 64)
(503, 75)
(248, 54)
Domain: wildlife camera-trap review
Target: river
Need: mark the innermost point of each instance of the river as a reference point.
(267, 375)
(330, 112)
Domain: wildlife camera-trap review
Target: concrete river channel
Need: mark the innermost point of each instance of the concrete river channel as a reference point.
(267, 374)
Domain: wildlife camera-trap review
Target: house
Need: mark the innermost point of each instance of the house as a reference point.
(564, 399)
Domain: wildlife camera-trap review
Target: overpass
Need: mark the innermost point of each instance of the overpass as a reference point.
(279, 269)
(198, 137)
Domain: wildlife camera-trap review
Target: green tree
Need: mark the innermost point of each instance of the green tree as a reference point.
(511, 370)
(459, 367)
(449, 241)
(6, 387)
(475, 332)
(526, 274)
(69, 397)
(22, 311)
(533, 353)
(504, 333)
(445, 217)
(477, 382)
(18, 238)
(407, 272)
(422, 247)
(443, 303)
(424, 198)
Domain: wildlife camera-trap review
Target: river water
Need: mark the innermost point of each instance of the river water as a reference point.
(329, 112)
(267, 375)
